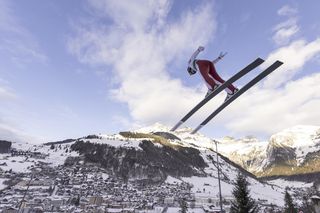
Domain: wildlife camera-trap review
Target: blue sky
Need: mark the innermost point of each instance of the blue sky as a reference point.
(72, 68)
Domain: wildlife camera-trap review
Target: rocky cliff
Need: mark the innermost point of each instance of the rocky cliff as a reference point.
(292, 151)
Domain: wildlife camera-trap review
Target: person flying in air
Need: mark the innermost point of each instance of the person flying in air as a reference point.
(209, 73)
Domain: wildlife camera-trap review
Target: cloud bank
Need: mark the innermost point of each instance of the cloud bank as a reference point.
(140, 46)
(284, 31)
(282, 100)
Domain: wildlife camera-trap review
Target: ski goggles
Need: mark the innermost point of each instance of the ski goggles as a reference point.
(192, 68)
(191, 71)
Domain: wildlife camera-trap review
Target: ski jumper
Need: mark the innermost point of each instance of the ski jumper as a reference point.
(208, 72)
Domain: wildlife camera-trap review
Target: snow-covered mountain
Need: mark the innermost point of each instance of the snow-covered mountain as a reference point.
(152, 153)
(292, 151)
(155, 153)
(249, 152)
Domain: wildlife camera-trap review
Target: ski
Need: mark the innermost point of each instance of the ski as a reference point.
(251, 83)
(235, 77)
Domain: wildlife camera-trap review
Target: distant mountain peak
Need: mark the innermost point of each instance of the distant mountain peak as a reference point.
(296, 136)
(156, 127)
(159, 127)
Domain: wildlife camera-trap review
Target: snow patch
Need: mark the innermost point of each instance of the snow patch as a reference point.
(15, 163)
(172, 180)
(2, 185)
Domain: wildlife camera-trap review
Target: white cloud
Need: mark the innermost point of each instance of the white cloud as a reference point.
(139, 49)
(287, 10)
(285, 31)
(11, 133)
(280, 102)
(294, 56)
(139, 14)
(266, 110)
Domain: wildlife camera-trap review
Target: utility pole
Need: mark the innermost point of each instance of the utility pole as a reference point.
(218, 167)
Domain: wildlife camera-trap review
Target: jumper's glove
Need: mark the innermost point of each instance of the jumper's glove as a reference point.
(221, 55)
(200, 48)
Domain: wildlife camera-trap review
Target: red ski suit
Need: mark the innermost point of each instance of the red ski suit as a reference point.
(210, 75)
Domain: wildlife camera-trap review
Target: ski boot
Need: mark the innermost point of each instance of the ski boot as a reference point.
(229, 95)
(211, 90)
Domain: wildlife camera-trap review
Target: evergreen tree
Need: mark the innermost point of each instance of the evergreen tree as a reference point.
(183, 205)
(77, 201)
(243, 202)
(52, 146)
(288, 203)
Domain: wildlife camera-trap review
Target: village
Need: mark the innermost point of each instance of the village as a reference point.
(88, 188)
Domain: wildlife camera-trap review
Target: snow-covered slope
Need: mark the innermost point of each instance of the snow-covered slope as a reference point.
(197, 140)
(28, 156)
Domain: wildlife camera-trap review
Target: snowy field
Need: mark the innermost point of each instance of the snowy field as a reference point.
(2, 186)
(118, 141)
(291, 184)
(16, 163)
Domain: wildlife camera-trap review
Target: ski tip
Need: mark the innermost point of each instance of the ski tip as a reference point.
(259, 60)
(276, 64)
(280, 62)
(176, 126)
(196, 129)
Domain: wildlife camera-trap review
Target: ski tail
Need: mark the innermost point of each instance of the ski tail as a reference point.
(251, 83)
(235, 77)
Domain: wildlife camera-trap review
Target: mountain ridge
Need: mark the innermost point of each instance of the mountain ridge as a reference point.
(155, 154)
(152, 155)
(286, 153)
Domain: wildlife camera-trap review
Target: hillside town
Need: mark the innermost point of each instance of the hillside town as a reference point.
(53, 177)
(88, 188)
